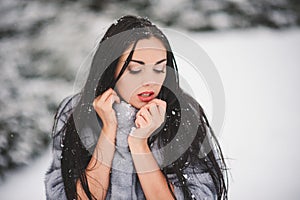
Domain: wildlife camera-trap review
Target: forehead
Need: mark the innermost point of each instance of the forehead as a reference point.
(147, 50)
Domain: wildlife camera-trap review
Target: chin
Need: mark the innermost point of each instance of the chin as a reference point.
(138, 105)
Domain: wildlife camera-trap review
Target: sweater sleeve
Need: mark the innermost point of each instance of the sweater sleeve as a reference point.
(199, 183)
(54, 186)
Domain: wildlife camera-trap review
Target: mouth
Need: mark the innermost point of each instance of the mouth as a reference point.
(146, 96)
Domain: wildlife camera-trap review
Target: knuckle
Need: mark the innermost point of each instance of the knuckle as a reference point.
(104, 108)
(95, 105)
(153, 105)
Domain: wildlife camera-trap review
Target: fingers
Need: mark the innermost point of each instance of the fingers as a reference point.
(109, 101)
(150, 117)
(107, 98)
(113, 98)
(116, 97)
(143, 110)
(146, 115)
(162, 111)
(152, 114)
(160, 104)
(105, 95)
(153, 109)
(140, 122)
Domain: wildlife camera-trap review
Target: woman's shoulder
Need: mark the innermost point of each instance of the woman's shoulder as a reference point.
(64, 110)
(68, 103)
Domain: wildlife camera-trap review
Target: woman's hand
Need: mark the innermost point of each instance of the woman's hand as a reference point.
(148, 119)
(103, 106)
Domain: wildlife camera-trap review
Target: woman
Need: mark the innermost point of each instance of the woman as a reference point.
(132, 133)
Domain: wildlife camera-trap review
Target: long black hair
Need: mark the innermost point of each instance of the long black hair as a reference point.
(185, 122)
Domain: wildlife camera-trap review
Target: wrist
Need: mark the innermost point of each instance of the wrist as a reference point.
(109, 133)
(104, 150)
(138, 145)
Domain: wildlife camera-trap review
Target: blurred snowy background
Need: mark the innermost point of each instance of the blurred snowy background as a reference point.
(254, 44)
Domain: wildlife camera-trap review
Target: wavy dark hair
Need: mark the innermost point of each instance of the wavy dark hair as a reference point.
(185, 119)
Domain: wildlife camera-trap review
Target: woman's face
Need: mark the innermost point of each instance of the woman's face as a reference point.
(143, 78)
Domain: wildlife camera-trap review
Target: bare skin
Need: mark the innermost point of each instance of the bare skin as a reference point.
(152, 180)
(98, 169)
(152, 55)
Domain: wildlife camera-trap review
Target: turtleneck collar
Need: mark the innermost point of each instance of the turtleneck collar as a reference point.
(125, 114)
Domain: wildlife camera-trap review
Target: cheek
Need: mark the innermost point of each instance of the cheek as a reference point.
(158, 80)
(126, 86)
(161, 79)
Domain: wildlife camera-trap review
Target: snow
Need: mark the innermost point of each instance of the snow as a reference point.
(259, 69)
(27, 183)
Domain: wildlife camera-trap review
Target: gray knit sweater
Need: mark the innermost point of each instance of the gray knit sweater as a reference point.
(124, 183)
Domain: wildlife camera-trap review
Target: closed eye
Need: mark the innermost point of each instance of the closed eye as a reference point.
(134, 71)
(159, 70)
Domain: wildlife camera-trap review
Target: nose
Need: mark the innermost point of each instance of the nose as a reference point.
(149, 80)
(146, 83)
(149, 77)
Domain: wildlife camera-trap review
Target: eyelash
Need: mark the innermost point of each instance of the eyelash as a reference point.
(159, 70)
(136, 72)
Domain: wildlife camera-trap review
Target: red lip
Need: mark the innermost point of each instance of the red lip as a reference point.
(146, 92)
(147, 98)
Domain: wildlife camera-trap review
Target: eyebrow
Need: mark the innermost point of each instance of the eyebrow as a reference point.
(143, 63)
